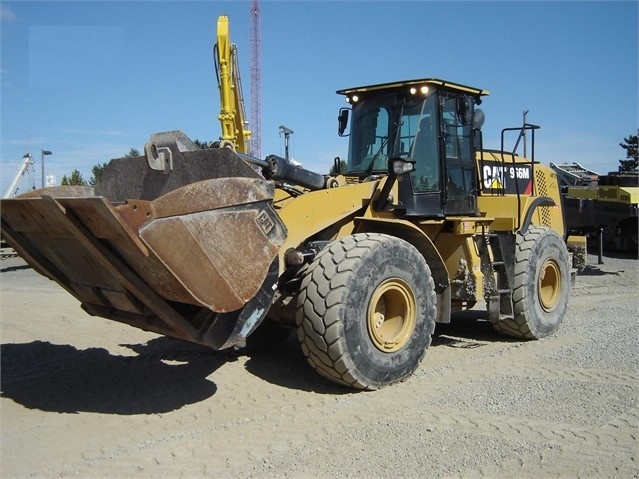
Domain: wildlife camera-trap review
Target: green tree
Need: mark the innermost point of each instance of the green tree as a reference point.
(96, 173)
(342, 168)
(202, 144)
(632, 161)
(74, 180)
(132, 152)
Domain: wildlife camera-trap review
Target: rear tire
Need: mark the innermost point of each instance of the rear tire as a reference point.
(366, 311)
(541, 286)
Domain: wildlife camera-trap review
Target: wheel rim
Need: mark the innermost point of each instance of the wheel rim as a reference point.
(391, 315)
(549, 284)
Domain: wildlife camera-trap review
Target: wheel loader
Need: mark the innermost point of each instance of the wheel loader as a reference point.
(218, 247)
(212, 245)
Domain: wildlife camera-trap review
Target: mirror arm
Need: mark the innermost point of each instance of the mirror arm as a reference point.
(381, 200)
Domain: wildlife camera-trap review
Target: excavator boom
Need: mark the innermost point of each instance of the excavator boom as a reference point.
(232, 114)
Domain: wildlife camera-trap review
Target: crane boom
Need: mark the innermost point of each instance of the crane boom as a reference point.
(232, 114)
(27, 161)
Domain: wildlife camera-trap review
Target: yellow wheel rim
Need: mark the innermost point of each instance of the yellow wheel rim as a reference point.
(549, 284)
(391, 315)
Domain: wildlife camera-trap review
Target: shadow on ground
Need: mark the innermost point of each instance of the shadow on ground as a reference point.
(284, 364)
(591, 270)
(17, 267)
(467, 329)
(165, 375)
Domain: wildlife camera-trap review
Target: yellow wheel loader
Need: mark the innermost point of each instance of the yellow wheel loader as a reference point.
(210, 245)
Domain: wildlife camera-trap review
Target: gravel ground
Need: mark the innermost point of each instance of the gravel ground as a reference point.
(85, 397)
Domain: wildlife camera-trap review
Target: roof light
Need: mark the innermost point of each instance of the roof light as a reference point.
(422, 89)
(355, 98)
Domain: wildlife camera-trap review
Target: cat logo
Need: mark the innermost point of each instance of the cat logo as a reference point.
(494, 177)
(507, 178)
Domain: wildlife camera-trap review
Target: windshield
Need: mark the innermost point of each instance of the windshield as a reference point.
(388, 126)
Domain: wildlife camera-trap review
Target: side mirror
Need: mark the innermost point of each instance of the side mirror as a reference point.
(342, 121)
(400, 166)
(478, 119)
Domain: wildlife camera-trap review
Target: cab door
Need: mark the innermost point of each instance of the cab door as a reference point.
(459, 186)
(420, 193)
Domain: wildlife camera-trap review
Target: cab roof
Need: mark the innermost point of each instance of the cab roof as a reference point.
(415, 83)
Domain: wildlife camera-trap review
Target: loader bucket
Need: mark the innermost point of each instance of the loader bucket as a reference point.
(190, 253)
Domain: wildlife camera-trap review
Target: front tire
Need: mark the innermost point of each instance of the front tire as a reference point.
(541, 286)
(366, 311)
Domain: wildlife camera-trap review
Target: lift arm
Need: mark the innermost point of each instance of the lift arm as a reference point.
(232, 114)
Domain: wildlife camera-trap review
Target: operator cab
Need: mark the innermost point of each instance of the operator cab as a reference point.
(430, 123)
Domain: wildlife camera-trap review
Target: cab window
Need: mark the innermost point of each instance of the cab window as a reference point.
(457, 149)
(423, 150)
(369, 145)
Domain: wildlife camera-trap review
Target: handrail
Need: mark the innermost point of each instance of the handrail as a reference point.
(522, 131)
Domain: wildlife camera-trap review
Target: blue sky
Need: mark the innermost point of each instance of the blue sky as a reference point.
(88, 80)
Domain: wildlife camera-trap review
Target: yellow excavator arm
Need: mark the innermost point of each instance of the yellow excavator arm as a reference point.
(232, 114)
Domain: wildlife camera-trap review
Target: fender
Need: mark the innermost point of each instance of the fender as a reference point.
(537, 202)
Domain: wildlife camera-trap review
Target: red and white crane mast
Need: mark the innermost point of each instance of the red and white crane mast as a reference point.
(256, 94)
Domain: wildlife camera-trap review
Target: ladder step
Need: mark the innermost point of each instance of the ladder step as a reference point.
(503, 292)
(497, 263)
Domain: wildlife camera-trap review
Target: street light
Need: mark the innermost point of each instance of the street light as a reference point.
(44, 152)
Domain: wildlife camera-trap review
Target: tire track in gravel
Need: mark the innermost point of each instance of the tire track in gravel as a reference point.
(278, 419)
(602, 376)
(162, 455)
(617, 434)
(281, 410)
(226, 445)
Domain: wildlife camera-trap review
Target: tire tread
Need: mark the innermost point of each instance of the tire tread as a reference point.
(322, 288)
